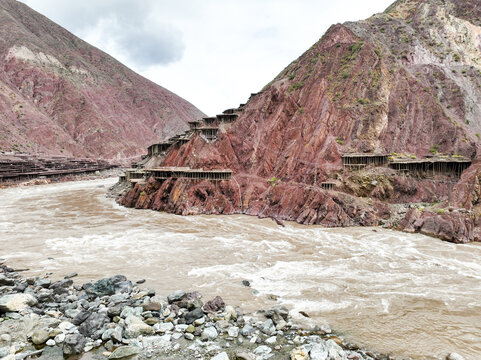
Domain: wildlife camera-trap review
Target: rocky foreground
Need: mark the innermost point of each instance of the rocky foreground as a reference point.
(115, 318)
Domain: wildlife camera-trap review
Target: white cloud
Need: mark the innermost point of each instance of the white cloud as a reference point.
(214, 53)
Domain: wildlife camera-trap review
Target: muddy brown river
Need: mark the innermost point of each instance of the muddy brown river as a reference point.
(397, 293)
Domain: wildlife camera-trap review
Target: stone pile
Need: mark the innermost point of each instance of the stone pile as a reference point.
(115, 319)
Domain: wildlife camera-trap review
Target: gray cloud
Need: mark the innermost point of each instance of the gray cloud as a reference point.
(124, 24)
(146, 47)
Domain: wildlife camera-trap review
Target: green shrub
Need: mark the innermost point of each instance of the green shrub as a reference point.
(364, 101)
(296, 86)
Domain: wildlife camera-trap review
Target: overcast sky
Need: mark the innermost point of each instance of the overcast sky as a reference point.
(213, 53)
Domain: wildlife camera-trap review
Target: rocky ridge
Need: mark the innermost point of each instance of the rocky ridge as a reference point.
(62, 96)
(405, 82)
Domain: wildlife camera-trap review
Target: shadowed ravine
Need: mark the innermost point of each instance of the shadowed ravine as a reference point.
(393, 292)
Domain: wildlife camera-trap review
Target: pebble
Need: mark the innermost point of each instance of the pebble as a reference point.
(272, 340)
(248, 330)
(199, 322)
(233, 331)
(245, 356)
(300, 354)
(60, 338)
(268, 327)
(125, 351)
(163, 327)
(262, 350)
(209, 333)
(50, 342)
(189, 336)
(39, 337)
(221, 356)
(455, 356)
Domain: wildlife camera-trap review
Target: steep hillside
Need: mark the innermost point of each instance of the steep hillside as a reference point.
(59, 95)
(405, 82)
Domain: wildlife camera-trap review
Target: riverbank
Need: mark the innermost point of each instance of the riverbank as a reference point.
(116, 318)
(456, 225)
(97, 175)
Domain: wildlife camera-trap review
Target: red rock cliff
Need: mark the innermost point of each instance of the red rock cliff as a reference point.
(406, 81)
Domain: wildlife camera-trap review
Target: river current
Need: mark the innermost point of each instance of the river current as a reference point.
(397, 293)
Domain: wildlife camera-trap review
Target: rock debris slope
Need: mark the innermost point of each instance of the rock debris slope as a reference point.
(59, 95)
(405, 83)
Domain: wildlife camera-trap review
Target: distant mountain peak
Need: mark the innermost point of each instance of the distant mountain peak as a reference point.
(60, 95)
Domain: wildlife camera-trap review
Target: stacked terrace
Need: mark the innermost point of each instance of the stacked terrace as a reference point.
(360, 161)
(164, 173)
(207, 127)
(25, 167)
(436, 165)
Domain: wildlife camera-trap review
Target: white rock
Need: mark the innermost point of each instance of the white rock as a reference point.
(319, 352)
(335, 351)
(163, 327)
(199, 321)
(66, 326)
(221, 356)
(60, 338)
(271, 340)
(299, 354)
(455, 356)
(166, 338)
(16, 302)
(51, 342)
(136, 327)
(181, 327)
(233, 331)
(262, 350)
(281, 324)
(230, 313)
(209, 333)
(5, 338)
(177, 336)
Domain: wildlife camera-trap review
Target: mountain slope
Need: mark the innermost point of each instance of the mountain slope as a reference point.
(58, 94)
(406, 81)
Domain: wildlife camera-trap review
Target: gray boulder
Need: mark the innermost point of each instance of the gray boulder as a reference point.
(125, 351)
(193, 315)
(268, 327)
(177, 296)
(74, 344)
(136, 327)
(93, 326)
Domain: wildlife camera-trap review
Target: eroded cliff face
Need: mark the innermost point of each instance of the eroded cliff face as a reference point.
(59, 95)
(406, 81)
